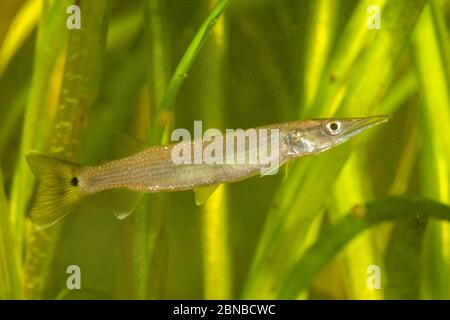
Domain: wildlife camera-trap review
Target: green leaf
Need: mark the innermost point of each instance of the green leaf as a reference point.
(182, 69)
(435, 157)
(403, 260)
(9, 277)
(80, 81)
(149, 226)
(350, 91)
(37, 119)
(217, 272)
(149, 239)
(24, 22)
(342, 232)
(322, 30)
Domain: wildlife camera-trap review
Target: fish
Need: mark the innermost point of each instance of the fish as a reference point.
(63, 184)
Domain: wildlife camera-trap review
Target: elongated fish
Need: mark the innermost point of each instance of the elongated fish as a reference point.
(64, 184)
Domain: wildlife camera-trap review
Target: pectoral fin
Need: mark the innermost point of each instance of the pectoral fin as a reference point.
(269, 171)
(285, 171)
(202, 194)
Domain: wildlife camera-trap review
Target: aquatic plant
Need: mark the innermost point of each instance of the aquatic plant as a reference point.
(377, 205)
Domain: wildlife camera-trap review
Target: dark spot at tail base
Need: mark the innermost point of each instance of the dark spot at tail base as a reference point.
(74, 181)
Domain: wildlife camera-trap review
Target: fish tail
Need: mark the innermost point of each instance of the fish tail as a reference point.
(59, 190)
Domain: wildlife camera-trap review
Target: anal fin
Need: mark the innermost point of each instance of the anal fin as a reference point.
(121, 202)
(202, 194)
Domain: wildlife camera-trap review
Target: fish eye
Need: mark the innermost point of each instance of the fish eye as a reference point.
(333, 128)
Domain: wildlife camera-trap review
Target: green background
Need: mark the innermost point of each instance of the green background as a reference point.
(145, 67)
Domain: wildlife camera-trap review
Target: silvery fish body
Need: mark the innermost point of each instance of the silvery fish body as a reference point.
(187, 165)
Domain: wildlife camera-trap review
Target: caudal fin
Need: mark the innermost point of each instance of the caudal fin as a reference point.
(58, 192)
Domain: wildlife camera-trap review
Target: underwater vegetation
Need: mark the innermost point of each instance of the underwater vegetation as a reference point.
(368, 219)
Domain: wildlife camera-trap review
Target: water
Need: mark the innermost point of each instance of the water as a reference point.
(264, 62)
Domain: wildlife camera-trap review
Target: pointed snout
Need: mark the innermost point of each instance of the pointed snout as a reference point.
(360, 124)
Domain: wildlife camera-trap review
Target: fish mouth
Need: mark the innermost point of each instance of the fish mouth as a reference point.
(361, 124)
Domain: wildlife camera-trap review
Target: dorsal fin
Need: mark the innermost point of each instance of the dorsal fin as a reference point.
(124, 145)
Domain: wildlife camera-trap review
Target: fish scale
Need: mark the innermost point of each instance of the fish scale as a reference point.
(64, 184)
